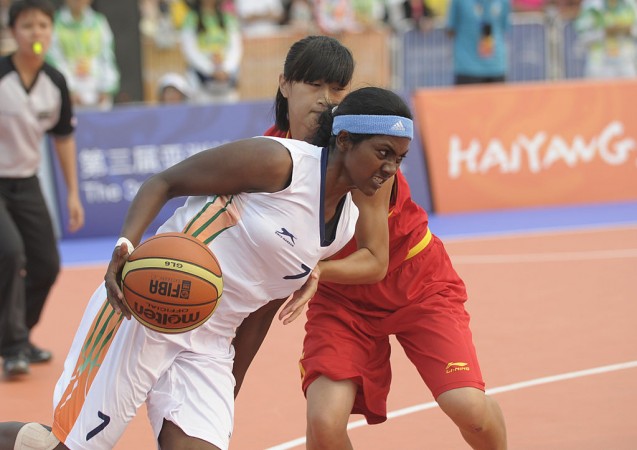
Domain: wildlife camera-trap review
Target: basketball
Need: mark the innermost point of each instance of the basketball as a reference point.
(172, 283)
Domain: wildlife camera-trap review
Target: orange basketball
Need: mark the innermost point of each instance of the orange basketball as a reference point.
(172, 282)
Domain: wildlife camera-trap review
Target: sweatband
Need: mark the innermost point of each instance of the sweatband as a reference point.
(129, 245)
(367, 124)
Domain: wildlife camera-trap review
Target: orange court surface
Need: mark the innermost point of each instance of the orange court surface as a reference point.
(553, 317)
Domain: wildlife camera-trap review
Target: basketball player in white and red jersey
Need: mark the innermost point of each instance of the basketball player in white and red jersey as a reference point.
(346, 369)
(270, 209)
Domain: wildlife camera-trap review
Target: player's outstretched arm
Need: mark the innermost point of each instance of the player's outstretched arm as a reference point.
(248, 165)
(369, 263)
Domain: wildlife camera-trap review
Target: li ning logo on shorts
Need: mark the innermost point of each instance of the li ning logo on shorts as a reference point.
(456, 367)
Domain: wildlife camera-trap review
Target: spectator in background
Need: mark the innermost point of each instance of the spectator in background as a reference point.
(157, 21)
(7, 44)
(335, 16)
(369, 13)
(528, 5)
(173, 88)
(607, 29)
(212, 47)
(437, 7)
(478, 29)
(82, 49)
(178, 11)
(259, 17)
(298, 15)
(568, 9)
(34, 100)
(404, 15)
(421, 14)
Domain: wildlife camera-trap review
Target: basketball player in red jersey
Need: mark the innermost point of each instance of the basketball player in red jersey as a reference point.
(345, 368)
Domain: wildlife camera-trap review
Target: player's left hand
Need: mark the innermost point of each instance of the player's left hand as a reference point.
(297, 301)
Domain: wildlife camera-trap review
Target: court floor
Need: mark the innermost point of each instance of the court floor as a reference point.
(552, 298)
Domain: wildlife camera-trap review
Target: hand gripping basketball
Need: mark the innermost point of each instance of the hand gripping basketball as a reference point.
(172, 283)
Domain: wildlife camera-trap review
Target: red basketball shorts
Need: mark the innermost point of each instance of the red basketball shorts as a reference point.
(421, 303)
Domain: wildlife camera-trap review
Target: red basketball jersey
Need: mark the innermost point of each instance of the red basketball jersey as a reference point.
(274, 131)
(407, 220)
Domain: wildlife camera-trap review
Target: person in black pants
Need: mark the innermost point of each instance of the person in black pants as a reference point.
(34, 100)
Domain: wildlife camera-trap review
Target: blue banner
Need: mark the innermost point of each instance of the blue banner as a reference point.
(119, 149)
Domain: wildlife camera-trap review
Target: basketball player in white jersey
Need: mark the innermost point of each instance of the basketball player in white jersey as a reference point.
(279, 206)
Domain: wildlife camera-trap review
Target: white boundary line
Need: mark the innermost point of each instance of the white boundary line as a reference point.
(590, 255)
(497, 390)
(537, 231)
(545, 257)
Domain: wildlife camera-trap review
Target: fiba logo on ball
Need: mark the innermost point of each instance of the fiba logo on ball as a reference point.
(172, 283)
(180, 289)
(162, 315)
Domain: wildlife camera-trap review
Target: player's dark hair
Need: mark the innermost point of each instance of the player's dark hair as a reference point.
(364, 101)
(313, 58)
(20, 6)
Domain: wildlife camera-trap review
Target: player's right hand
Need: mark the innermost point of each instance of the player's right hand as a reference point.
(113, 279)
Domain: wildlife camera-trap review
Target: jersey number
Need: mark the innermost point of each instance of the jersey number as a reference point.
(105, 421)
(306, 272)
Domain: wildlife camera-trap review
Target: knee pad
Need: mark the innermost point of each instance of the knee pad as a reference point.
(34, 436)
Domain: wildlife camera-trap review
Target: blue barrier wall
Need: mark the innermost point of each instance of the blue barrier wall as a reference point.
(426, 59)
(119, 149)
(574, 54)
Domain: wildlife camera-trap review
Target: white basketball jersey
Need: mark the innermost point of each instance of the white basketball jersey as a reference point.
(266, 243)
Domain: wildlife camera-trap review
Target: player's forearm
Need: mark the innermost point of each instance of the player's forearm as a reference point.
(150, 198)
(361, 267)
(67, 155)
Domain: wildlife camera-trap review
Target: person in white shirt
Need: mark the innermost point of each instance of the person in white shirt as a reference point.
(212, 46)
(259, 17)
(270, 209)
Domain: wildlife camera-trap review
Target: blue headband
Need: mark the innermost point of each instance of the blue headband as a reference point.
(368, 124)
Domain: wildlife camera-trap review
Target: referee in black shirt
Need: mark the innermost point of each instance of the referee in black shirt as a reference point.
(34, 100)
